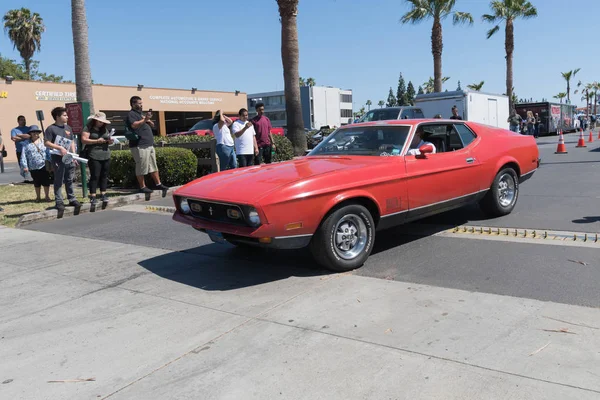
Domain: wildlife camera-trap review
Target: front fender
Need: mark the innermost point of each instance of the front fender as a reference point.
(348, 195)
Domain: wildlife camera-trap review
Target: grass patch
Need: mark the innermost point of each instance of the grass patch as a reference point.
(19, 199)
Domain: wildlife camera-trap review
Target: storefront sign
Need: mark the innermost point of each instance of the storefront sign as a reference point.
(3, 95)
(185, 100)
(75, 114)
(55, 96)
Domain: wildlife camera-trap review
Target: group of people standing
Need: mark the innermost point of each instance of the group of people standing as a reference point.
(243, 142)
(42, 155)
(528, 126)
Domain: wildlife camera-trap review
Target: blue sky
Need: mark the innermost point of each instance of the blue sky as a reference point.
(357, 44)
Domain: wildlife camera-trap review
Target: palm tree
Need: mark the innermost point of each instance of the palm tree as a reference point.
(508, 11)
(560, 96)
(429, 86)
(368, 104)
(290, 54)
(83, 72)
(437, 10)
(381, 103)
(311, 82)
(568, 75)
(25, 32)
(476, 86)
(301, 81)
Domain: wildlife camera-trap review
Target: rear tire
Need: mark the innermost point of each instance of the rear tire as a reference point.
(344, 239)
(502, 197)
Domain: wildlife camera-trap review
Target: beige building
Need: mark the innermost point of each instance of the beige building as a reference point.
(174, 110)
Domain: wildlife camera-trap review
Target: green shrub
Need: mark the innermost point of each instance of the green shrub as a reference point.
(176, 167)
(284, 150)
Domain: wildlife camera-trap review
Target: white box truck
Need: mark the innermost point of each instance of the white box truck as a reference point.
(484, 108)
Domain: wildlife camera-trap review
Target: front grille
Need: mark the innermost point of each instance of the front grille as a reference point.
(217, 212)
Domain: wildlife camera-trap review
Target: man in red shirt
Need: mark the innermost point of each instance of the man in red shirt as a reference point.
(264, 138)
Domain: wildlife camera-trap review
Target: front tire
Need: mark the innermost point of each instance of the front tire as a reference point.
(344, 239)
(502, 197)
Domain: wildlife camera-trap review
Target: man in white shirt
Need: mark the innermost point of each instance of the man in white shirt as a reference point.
(245, 140)
(225, 149)
(414, 149)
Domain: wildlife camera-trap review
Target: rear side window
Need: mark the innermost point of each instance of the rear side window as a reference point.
(383, 114)
(406, 114)
(418, 113)
(466, 135)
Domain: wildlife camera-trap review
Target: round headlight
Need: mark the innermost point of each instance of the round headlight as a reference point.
(184, 206)
(253, 218)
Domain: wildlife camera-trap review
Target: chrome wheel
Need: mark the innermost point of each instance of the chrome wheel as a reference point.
(350, 236)
(506, 190)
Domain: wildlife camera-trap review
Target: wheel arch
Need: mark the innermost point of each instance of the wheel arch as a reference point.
(362, 198)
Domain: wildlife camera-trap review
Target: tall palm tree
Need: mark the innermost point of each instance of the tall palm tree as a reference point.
(368, 104)
(381, 103)
(508, 11)
(437, 10)
(476, 86)
(311, 82)
(568, 75)
(25, 32)
(83, 72)
(560, 96)
(290, 54)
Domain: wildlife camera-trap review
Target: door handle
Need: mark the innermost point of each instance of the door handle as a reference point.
(470, 160)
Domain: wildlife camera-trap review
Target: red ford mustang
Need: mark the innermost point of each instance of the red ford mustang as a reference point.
(359, 180)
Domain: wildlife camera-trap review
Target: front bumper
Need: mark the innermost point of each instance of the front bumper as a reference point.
(246, 235)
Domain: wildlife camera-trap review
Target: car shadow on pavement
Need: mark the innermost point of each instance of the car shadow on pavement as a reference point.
(215, 267)
(586, 220)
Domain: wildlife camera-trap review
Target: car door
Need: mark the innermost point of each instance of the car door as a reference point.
(444, 180)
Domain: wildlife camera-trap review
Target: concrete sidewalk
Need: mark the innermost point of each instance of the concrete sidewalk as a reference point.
(146, 323)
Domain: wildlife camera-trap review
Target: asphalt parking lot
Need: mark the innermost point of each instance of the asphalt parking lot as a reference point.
(152, 309)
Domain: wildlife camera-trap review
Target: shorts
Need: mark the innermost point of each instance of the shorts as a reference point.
(40, 177)
(145, 160)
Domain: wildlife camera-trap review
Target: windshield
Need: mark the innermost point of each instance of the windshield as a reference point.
(364, 141)
(382, 114)
(202, 125)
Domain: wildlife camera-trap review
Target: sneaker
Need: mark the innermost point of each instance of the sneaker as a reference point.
(60, 206)
(145, 190)
(74, 203)
(163, 188)
(105, 198)
(93, 200)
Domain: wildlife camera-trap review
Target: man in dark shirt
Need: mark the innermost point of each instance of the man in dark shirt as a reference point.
(264, 138)
(455, 113)
(142, 148)
(63, 173)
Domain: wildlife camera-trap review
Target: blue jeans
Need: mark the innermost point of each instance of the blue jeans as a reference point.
(514, 128)
(227, 159)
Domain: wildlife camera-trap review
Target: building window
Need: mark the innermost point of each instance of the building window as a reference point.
(346, 98)
(346, 113)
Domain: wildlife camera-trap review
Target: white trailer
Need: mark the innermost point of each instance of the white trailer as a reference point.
(485, 108)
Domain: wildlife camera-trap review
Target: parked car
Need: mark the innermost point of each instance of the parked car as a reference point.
(359, 181)
(204, 127)
(389, 113)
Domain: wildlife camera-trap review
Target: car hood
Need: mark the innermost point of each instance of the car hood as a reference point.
(249, 185)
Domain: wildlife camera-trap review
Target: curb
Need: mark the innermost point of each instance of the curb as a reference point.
(115, 202)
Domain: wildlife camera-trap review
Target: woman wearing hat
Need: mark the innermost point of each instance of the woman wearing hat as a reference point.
(33, 160)
(96, 139)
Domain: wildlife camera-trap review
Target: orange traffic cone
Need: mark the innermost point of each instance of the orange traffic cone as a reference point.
(581, 141)
(598, 135)
(561, 148)
(590, 139)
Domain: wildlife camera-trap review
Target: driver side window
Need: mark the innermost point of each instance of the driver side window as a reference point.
(444, 137)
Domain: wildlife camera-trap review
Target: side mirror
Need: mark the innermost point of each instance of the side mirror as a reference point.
(424, 150)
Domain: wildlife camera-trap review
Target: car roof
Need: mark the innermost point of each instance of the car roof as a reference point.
(402, 122)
